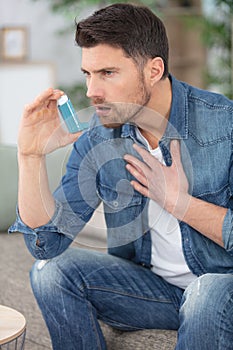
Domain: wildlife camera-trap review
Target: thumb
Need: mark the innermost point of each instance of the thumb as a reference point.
(72, 137)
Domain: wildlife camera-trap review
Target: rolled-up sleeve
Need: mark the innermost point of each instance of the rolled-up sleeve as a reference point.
(43, 242)
(72, 210)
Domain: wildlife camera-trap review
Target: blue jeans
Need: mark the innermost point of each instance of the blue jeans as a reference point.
(78, 287)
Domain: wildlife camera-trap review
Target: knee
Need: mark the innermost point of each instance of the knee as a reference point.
(42, 277)
(208, 296)
(49, 277)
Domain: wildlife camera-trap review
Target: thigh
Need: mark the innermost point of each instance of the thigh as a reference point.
(206, 314)
(124, 294)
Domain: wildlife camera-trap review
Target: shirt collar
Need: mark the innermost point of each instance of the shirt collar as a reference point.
(178, 120)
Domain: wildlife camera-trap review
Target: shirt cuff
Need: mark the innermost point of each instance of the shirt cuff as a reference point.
(20, 226)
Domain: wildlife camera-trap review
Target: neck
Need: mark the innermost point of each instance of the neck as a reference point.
(152, 140)
(161, 98)
(154, 118)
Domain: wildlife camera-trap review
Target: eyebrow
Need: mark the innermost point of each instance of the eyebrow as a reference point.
(101, 70)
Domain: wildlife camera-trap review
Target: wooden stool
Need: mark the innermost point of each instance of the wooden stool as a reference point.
(12, 329)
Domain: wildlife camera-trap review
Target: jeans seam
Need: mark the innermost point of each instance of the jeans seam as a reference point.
(128, 294)
(94, 327)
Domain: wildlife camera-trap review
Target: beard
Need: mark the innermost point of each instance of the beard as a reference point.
(115, 114)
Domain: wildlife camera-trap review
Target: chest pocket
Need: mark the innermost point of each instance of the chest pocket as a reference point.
(120, 197)
(124, 212)
(222, 197)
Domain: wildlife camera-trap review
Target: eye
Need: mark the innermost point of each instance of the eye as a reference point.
(108, 73)
(85, 73)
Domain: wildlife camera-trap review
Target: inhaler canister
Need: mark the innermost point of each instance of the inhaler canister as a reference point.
(68, 114)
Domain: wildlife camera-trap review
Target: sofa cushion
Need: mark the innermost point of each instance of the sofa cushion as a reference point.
(9, 179)
(150, 339)
(8, 185)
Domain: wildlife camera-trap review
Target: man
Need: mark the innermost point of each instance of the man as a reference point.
(158, 154)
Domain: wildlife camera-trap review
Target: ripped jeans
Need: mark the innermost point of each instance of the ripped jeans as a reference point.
(78, 287)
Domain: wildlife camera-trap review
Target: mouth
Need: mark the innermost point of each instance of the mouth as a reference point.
(102, 109)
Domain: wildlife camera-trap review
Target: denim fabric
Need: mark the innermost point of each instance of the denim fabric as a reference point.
(79, 287)
(206, 314)
(202, 122)
(76, 287)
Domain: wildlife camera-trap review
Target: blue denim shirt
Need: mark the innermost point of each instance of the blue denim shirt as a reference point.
(202, 121)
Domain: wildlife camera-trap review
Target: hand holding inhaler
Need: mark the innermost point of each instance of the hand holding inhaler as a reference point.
(69, 115)
(40, 129)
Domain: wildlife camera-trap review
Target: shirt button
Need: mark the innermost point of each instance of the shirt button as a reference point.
(115, 204)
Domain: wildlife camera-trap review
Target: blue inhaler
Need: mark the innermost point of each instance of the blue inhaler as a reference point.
(69, 115)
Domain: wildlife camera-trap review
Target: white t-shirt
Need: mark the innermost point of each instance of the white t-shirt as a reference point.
(167, 258)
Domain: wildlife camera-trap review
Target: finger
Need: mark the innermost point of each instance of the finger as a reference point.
(51, 94)
(139, 188)
(58, 93)
(39, 100)
(43, 100)
(138, 174)
(136, 163)
(52, 104)
(44, 96)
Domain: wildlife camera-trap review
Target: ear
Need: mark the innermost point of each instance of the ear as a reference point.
(156, 69)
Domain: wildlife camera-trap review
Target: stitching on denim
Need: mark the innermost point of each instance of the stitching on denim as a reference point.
(210, 105)
(215, 192)
(210, 143)
(94, 324)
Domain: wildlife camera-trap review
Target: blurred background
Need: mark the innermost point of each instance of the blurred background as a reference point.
(37, 49)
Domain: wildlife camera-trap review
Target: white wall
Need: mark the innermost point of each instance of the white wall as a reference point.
(44, 42)
(20, 83)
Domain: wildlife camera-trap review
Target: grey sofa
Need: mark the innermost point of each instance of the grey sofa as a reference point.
(116, 340)
(8, 185)
(9, 179)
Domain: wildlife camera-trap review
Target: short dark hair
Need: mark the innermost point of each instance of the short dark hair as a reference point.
(133, 28)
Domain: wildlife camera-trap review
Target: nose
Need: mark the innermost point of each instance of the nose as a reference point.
(94, 88)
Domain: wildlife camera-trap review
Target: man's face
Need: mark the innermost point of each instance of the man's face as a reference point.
(115, 86)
